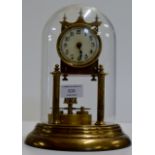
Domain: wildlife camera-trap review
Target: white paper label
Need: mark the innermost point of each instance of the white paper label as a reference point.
(71, 91)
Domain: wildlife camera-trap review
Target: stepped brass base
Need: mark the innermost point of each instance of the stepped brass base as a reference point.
(78, 138)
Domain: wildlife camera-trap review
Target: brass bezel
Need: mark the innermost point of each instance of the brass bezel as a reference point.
(74, 64)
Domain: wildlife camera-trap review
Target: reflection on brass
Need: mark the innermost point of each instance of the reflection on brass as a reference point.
(100, 105)
(94, 25)
(56, 87)
(50, 118)
(70, 102)
(81, 117)
(78, 137)
(76, 119)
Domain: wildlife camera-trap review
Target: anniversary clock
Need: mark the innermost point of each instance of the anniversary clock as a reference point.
(81, 39)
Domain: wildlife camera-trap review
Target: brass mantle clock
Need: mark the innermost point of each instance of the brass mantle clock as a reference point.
(79, 47)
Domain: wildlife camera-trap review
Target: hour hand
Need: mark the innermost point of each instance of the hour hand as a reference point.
(80, 56)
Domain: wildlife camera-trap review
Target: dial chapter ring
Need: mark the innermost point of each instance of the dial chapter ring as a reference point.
(83, 63)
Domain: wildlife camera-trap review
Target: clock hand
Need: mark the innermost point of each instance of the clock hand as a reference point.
(79, 45)
(81, 53)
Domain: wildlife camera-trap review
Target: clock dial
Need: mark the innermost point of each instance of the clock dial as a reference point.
(79, 46)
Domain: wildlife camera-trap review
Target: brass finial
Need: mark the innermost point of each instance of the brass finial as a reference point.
(56, 67)
(100, 68)
(80, 13)
(64, 18)
(96, 18)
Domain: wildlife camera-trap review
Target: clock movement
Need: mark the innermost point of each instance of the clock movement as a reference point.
(80, 43)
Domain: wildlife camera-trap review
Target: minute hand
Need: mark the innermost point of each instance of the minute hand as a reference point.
(79, 45)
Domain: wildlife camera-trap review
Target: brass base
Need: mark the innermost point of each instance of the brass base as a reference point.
(78, 138)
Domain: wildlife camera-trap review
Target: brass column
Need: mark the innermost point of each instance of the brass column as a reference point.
(56, 92)
(101, 96)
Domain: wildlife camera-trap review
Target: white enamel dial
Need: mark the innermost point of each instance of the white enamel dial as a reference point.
(79, 46)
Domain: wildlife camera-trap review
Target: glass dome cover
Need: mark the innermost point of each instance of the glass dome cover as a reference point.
(78, 122)
(51, 56)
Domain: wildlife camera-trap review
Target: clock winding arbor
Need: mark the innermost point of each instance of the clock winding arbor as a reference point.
(79, 47)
